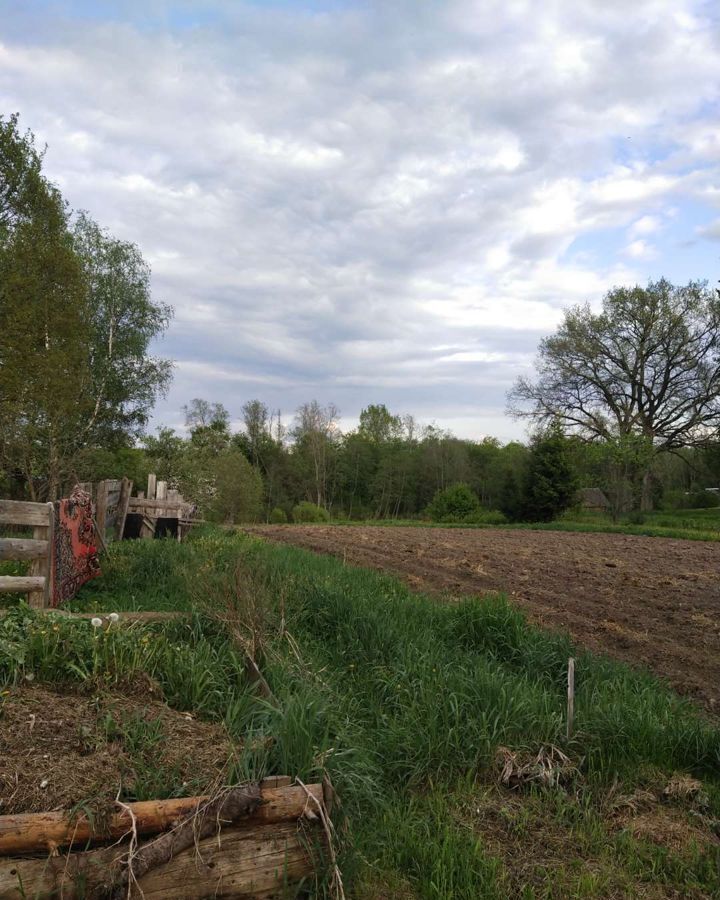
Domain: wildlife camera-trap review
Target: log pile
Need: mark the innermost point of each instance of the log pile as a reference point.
(245, 842)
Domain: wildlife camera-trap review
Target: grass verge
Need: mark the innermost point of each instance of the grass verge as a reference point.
(404, 703)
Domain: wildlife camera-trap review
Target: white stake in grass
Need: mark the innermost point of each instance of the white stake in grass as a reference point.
(570, 697)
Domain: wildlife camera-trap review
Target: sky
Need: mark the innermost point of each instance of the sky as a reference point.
(383, 202)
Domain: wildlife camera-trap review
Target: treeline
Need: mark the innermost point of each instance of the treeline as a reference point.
(391, 467)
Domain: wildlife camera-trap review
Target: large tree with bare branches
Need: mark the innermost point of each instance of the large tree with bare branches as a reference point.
(646, 368)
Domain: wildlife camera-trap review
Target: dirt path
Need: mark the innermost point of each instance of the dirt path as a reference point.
(653, 601)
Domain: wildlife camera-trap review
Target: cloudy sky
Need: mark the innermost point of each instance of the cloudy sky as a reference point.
(388, 201)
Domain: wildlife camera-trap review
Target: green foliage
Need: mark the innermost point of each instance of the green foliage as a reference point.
(511, 496)
(453, 504)
(704, 500)
(238, 489)
(76, 320)
(309, 512)
(278, 516)
(550, 483)
(402, 700)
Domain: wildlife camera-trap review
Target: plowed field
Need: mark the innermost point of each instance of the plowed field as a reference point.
(648, 601)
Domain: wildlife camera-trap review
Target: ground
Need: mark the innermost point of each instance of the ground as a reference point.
(643, 600)
(70, 745)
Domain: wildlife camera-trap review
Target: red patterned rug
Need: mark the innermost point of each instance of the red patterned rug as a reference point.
(74, 553)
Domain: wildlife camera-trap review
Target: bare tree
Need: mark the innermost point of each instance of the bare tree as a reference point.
(315, 432)
(647, 366)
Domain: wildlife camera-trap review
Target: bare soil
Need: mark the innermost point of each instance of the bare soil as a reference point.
(60, 748)
(653, 602)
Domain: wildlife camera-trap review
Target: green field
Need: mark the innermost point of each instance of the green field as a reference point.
(405, 703)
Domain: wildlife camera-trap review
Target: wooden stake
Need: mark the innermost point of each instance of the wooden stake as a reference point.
(570, 696)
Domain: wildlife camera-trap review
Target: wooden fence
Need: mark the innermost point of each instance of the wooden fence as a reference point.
(38, 549)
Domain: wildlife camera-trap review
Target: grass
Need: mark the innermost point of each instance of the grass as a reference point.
(404, 703)
(686, 524)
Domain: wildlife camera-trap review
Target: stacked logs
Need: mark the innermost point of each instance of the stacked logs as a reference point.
(246, 842)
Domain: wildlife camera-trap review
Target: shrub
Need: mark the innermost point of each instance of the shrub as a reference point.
(703, 500)
(550, 480)
(278, 516)
(309, 512)
(453, 504)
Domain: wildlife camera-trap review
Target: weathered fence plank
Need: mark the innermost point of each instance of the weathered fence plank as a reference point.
(22, 548)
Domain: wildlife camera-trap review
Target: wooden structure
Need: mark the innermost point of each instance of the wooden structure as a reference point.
(160, 503)
(267, 844)
(38, 549)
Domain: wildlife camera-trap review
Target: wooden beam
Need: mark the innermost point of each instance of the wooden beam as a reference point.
(241, 861)
(151, 486)
(122, 510)
(42, 566)
(21, 584)
(36, 832)
(22, 548)
(19, 512)
(101, 505)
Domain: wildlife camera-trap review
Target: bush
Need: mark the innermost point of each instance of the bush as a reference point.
(453, 504)
(703, 500)
(278, 516)
(309, 512)
(550, 480)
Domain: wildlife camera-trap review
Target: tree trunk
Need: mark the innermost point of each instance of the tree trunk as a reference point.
(646, 494)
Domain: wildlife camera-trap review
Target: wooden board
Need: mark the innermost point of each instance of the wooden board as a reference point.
(22, 548)
(18, 512)
(43, 566)
(242, 861)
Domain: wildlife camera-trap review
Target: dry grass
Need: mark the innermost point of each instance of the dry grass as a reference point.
(61, 749)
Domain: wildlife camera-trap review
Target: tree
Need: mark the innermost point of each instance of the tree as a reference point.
(237, 489)
(648, 365)
(316, 434)
(76, 320)
(550, 485)
(203, 414)
(44, 365)
(378, 425)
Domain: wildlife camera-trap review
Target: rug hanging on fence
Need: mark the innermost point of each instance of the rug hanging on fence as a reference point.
(74, 553)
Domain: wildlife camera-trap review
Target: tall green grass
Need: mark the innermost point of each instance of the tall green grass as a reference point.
(401, 700)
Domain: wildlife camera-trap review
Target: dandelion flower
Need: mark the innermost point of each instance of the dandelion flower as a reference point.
(95, 622)
(114, 617)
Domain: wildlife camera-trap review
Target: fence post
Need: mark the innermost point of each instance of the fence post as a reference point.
(570, 696)
(101, 507)
(43, 567)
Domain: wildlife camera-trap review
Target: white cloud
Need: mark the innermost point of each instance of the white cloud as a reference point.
(376, 202)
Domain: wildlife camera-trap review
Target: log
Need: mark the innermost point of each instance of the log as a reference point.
(21, 584)
(18, 512)
(242, 861)
(36, 832)
(22, 548)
